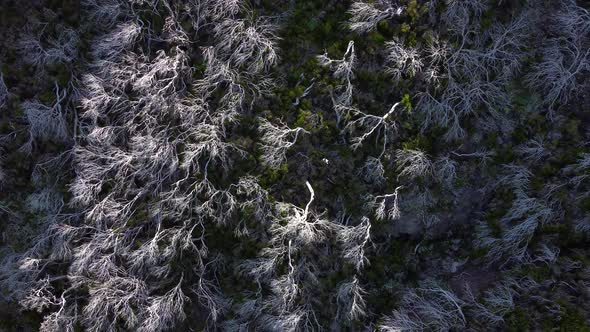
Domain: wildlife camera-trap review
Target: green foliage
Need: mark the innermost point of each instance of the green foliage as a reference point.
(571, 129)
(271, 176)
(412, 10)
(418, 142)
(308, 29)
(407, 102)
(492, 219)
(517, 321)
(572, 320)
(584, 205)
(505, 155)
(377, 38)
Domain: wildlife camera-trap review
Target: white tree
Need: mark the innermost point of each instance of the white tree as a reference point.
(373, 172)
(209, 148)
(351, 305)
(572, 20)
(362, 126)
(62, 320)
(404, 60)
(365, 16)
(204, 12)
(559, 74)
(386, 206)
(46, 123)
(412, 164)
(3, 92)
(428, 307)
(353, 240)
(117, 300)
(445, 170)
(459, 14)
(532, 150)
(342, 70)
(302, 226)
(164, 311)
(247, 43)
(497, 303)
(469, 74)
(115, 43)
(104, 13)
(519, 223)
(276, 141)
(63, 49)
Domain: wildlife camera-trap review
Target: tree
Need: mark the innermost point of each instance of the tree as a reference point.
(362, 126)
(498, 302)
(276, 140)
(386, 206)
(520, 221)
(115, 43)
(301, 226)
(342, 70)
(405, 60)
(3, 92)
(373, 172)
(428, 307)
(365, 16)
(351, 305)
(46, 123)
(353, 240)
(164, 311)
(412, 164)
(62, 49)
(247, 43)
(557, 76)
(104, 13)
(532, 150)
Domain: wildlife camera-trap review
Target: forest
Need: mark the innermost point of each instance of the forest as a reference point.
(294, 165)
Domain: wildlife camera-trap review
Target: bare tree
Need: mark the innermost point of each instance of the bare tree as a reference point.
(459, 14)
(363, 126)
(63, 49)
(351, 305)
(117, 300)
(3, 92)
(386, 206)
(113, 44)
(164, 311)
(104, 13)
(276, 141)
(532, 150)
(469, 72)
(428, 307)
(204, 12)
(497, 303)
(365, 16)
(343, 70)
(62, 320)
(404, 60)
(445, 170)
(353, 240)
(557, 76)
(373, 172)
(252, 198)
(572, 20)
(300, 225)
(46, 123)
(249, 43)
(209, 148)
(519, 223)
(412, 164)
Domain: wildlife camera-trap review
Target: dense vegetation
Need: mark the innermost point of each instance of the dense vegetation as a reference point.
(285, 165)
